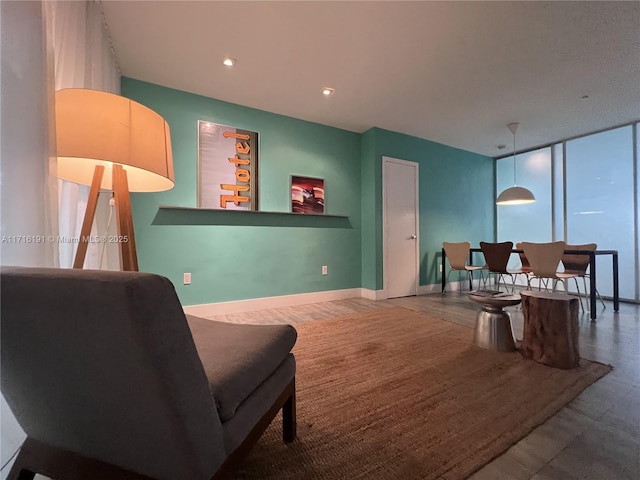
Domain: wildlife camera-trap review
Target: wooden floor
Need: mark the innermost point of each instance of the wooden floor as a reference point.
(596, 437)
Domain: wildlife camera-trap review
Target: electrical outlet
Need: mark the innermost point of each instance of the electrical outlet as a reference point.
(187, 279)
(324, 270)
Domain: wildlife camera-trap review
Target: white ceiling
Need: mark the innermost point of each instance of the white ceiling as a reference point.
(453, 72)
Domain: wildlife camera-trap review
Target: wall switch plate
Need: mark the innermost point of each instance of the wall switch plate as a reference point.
(187, 279)
(324, 270)
(441, 267)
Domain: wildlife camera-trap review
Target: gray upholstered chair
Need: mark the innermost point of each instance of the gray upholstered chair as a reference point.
(110, 380)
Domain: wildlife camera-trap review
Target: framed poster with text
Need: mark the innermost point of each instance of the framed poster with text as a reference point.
(227, 167)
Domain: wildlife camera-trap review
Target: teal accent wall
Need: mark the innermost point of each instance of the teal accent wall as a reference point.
(371, 212)
(260, 259)
(456, 199)
(251, 255)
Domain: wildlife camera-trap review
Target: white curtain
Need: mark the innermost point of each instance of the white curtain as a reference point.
(27, 167)
(83, 59)
(37, 39)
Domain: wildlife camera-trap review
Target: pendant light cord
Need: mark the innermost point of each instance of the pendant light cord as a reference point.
(514, 128)
(514, 159)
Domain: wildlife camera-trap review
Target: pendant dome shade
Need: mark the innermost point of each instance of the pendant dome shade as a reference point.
(515, 195)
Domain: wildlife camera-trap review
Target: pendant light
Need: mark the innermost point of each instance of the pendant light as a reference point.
(515, 195)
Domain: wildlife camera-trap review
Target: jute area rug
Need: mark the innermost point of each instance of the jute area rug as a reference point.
(397, 394)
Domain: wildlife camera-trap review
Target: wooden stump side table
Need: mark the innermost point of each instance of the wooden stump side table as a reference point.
(493, 325)
(550, 333)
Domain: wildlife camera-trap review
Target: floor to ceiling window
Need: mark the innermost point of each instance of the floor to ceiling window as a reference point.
(600, 200)
(587, 192)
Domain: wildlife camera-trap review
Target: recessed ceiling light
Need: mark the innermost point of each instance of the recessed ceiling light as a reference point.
(327, 92)
(229, 62)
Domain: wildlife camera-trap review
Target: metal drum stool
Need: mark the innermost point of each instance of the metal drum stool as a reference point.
(493, 325)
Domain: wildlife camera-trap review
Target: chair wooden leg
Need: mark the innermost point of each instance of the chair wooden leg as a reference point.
(53, 462)
(285, 402)
(18, 472)
(289, 424)
(19, 469)
(22, 474)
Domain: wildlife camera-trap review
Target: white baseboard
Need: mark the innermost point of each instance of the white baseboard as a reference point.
(253, 304)
(426, 289)
(381, 295)
(239, 306)
(372, 294)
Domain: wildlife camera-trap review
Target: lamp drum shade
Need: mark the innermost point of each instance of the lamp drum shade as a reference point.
(99, 128)
(515, 196)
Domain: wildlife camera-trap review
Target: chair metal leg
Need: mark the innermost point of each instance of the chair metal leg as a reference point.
(575, 279)
(554, 285)
(446, 281)
(542, 281)
(601, 300)
(566, 289)
(599, 296)
(501, 277)
(584, 279)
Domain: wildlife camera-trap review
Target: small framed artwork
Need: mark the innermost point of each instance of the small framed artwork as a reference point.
(227, 167)
(307, 195)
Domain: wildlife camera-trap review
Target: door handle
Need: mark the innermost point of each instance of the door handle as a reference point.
(413, 237)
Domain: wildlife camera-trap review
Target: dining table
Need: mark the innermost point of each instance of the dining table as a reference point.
(592, 274)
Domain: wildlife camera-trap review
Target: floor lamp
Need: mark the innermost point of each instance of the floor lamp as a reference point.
(111, 143)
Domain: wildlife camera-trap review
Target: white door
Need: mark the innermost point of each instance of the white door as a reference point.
(400, 220)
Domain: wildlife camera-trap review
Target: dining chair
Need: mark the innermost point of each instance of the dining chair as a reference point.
(496, 256)
(525, 268)
(458, 253)
(575, 266)
(544, 259)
